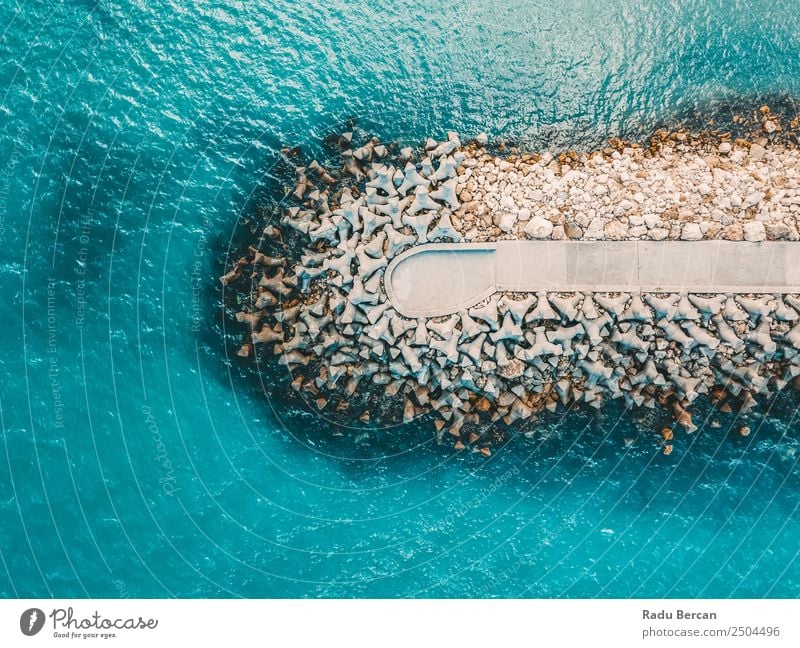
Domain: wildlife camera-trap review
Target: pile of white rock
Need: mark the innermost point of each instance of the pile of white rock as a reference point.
(325, 313)
(734, 192)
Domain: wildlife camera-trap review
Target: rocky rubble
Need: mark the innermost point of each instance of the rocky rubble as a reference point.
(734, 192)
(320, 308)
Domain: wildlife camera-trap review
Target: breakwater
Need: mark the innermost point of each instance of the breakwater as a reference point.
(311, 292)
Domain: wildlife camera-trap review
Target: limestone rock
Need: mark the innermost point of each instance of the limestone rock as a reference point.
(754, 231)
(733, 232)
(538, 228)
(757, 152)
(691, 232)
(596, 229)
(616, 230)
(507, 222)
(777, 231)
(572, 230)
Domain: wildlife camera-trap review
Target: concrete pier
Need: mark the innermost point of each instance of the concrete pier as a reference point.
(445, 278)
(483, 289)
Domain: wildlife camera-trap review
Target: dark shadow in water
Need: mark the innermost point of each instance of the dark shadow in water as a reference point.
(733, 114)
(698, 116)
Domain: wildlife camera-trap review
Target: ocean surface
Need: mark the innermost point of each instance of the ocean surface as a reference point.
(140, 458)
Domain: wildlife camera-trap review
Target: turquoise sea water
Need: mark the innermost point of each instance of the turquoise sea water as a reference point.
(139, 460)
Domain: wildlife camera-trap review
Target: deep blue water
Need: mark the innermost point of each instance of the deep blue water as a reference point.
(135, 135)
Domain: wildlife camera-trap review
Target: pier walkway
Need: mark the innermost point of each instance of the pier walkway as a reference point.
(443, 278)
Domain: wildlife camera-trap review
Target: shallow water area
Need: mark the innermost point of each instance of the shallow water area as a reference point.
(141, 459)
